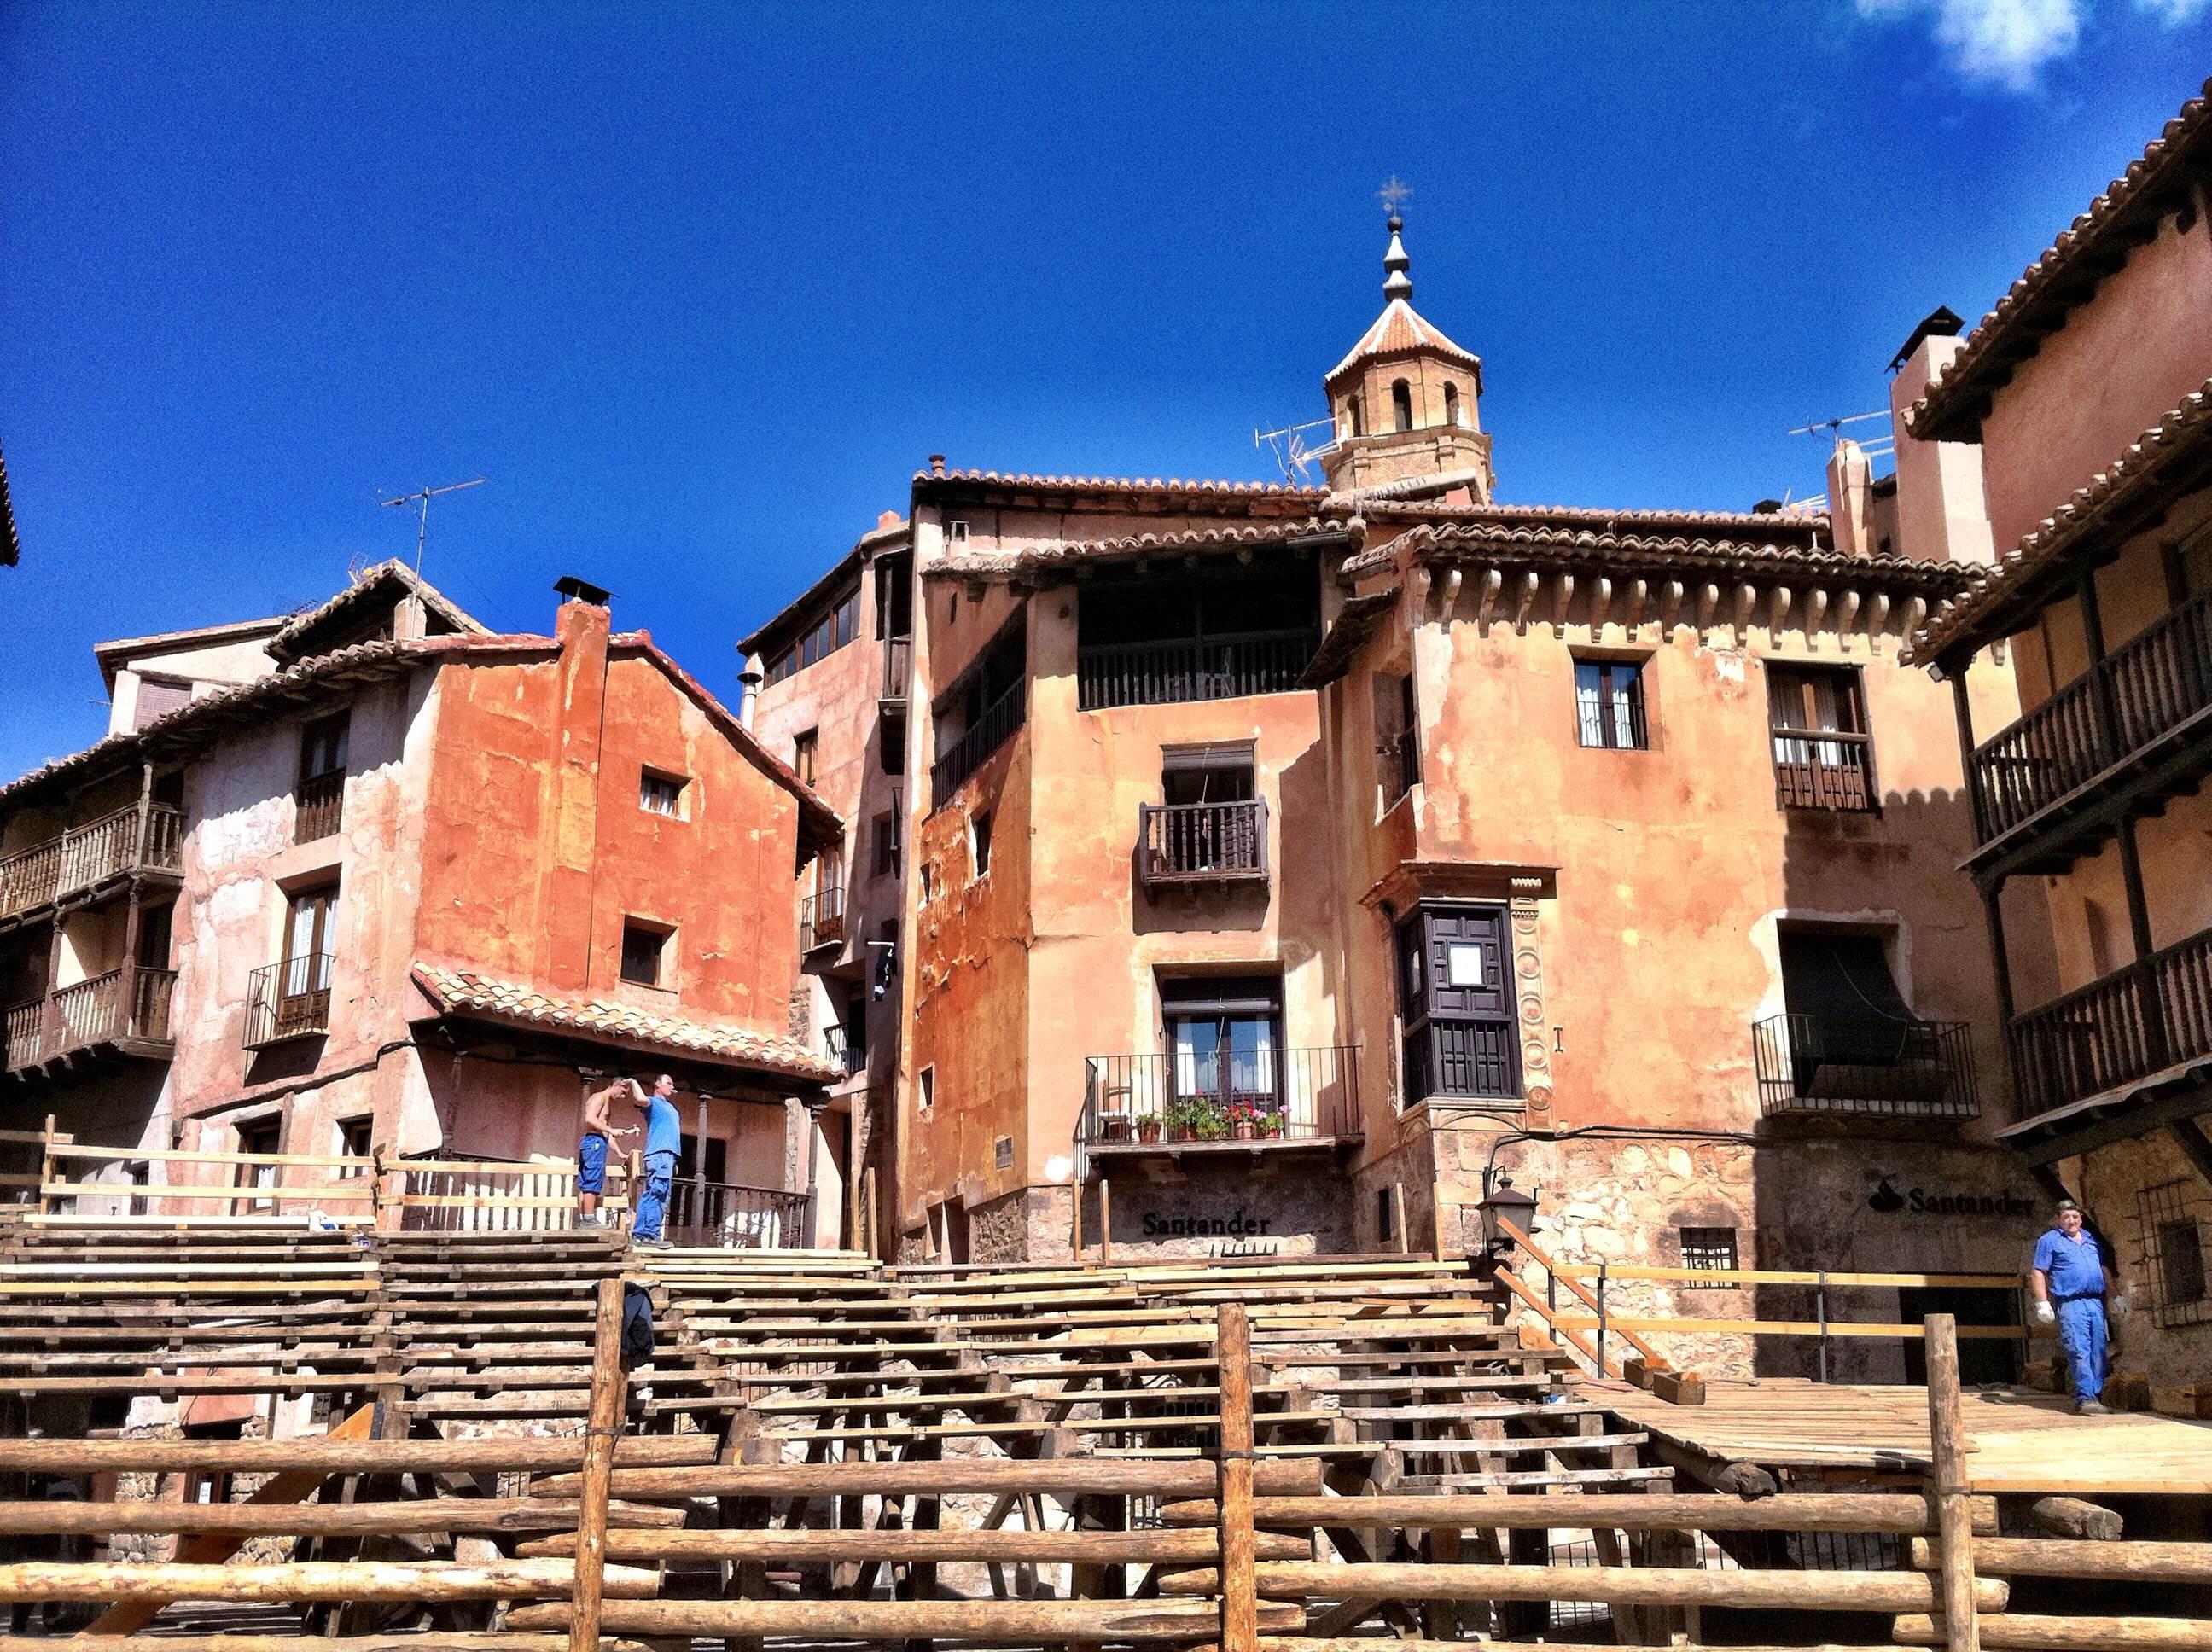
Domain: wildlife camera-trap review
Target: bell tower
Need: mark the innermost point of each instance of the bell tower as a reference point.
(1405, 400)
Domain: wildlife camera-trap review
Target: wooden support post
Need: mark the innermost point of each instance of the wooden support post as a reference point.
(1401, 1242)
(1240, 1598)
(46, 1160)
(1954, 1505)
(602, 1426)
(1105, 1219)
(1080, 1182)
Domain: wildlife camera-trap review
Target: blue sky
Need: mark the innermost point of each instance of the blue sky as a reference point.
(697, 290)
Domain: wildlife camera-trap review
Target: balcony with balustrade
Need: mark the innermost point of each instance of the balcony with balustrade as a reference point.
(2123, 1032)
(86, 863)
(121, 1013)
(2115, 744)
(290, 999)
(1181, 845)
(1252, 1104)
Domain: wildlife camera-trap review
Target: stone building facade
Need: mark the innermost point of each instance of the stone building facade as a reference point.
(2086, 396)
(400, 888)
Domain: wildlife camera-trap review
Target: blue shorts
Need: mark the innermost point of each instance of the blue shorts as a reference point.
(592, 1165)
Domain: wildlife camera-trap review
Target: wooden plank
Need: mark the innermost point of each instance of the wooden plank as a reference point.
(1808, 1591)
(332, 1454)
(155, 1584)
(254, 1519)
(1041, 1548)
(2133, 1562)
(1809, 1511)
(1015, 1621)
(1046, 1477)
(2041, 1633)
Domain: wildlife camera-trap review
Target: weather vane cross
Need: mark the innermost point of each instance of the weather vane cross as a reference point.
(1393, 195)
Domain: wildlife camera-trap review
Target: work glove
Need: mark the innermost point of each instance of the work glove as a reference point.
(2045, 1314)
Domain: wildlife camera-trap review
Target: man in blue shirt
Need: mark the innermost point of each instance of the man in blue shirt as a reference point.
(663, 1140)
(2069, 1285)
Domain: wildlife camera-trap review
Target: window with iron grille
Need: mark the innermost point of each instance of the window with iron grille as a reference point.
(2173, 1246)
(1609, 704)
(659, 793)
(1709, 1247)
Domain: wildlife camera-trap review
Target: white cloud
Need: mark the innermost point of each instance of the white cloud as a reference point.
(2172, 12)
(2005, 42)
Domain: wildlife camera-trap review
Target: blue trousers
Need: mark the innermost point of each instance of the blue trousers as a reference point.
(652, 1196)
(2082, 1334)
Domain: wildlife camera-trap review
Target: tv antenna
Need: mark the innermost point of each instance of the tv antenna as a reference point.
(424, 496)
(1293, 456)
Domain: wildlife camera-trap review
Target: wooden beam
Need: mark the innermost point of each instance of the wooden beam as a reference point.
(602, 1428)
(1947, 1434)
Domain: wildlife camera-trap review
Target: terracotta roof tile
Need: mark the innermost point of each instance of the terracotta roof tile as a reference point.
(986, 564)
(470, 991)
(1400, 329)
(391, 576)
(2143, 471)
(2041, 300)
(1118, 484)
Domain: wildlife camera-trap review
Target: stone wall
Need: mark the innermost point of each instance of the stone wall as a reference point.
(2112, 1190)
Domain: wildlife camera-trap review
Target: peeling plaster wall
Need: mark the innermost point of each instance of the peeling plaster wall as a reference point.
(2115, 1178)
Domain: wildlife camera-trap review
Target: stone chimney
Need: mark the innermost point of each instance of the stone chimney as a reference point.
(569, 842)
(1851, 481)
(1943, 515)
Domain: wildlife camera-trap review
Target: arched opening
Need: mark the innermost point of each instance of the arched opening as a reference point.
(1355, 415)
(1402, 404)
(1452, 415)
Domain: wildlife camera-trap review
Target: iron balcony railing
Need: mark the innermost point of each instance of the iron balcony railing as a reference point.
(2155, 682)
(1873, 1069)
(851, 1058)
(319, 807)
(1823, 769)
(730, 1216)
(968, 754)
(822, 917)
(291, 999)
(149, 839)
(1259, 1096)
(2151, 1015)
(1221, 667)
(125, 1003)
(1202, 842)
(898, 666)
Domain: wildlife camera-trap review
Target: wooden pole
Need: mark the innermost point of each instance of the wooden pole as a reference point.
(1240, 1599)
(601, 1429)
(1105, 1219)
(1081, 1182)
(288, 1582)
(1948, 1452)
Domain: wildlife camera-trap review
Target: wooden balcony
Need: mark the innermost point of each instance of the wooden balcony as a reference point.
(1182, 844)
(1259, 1102)
(81, 861)
(319, 807)
(968, 754)
(124, 1012)
(2151, 1018)
(1814, 1065)
(1219, 667)
(822, 917)
(291, 999)
(1824, 770)
(2133, 731)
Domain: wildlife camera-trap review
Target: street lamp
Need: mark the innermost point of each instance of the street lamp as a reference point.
(1505, 1203)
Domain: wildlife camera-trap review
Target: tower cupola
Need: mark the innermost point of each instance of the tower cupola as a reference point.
(1405, 399)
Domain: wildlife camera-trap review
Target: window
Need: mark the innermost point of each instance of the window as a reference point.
(1452, 415)
(303, 979)
(831, 632)
(320, 797)
(894, 745)
(1609, 704)
(979, 827)
(1710, 1248)
(1356, 410)
(1455, 998)
(259, 1136)
(643, 947)
(1397, 737)
(357, 1140)
(659, 794)
(157, 697)
(887, 844)
(2173, 1237)
(803, 750)
(1386, 1218)
(1836, 770)
(1210, 822)
(956, 531)
(1401, 404)
(1224, 1038)
(928, 1088)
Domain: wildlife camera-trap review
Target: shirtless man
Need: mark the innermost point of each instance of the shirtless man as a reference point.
(591, 1152)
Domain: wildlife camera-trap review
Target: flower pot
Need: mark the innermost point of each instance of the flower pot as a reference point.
(1148, 1130)
(1244, 1129)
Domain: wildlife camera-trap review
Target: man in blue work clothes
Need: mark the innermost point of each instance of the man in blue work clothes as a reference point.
(663, 1140)
(2069, 1283)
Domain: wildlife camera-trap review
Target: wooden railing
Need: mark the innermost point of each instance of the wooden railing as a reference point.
(1297, 1095)
(1221, 667)
(128, 839)
(2153, 681)
(849, 1058)
(1202, 842)
(1817, 768)
(319, 807)
(822, 917)
(1901, 1069)
(2136, 1021)
(290, 999)
(490, 1195)
(124, 1003)
(993, 729)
